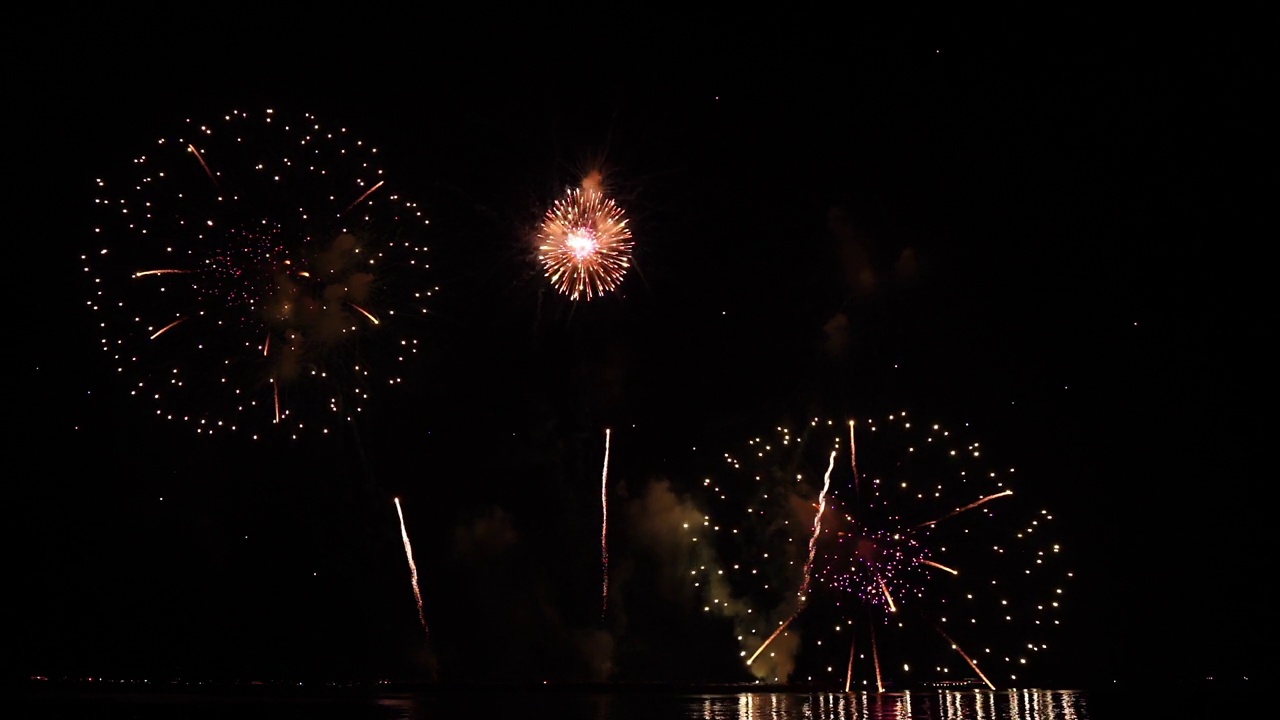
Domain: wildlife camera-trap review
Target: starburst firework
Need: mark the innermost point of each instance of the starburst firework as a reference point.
(584, 244)
(258, 271)
(918, 564)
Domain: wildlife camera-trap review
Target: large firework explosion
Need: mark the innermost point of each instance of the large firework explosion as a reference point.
(258, 272)
(584, 244)
(878, 553)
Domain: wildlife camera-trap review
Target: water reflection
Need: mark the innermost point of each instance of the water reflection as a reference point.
(972, 704)
(939, 705)
(936, 705)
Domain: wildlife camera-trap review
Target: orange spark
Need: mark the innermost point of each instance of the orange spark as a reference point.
(771, 637)
(165, 328)
(967, 659)
(848, 673)
(360, 199)
(940, 567)
(887, 596)
(367, 314)
(207, 171)
(875, 658)
(970, 506)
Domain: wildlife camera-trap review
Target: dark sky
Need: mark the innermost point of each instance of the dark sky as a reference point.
(1047, 242)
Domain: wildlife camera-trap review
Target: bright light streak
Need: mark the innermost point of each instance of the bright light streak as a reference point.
(207, 171)
(366, 194)
(367, 314)
(413, 569)
(164, 329)
(970, 506)
(604, 524)
(775, 634)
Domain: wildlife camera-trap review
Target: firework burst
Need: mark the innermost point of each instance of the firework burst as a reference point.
(917, 563)
(258, 271)
(584, 244)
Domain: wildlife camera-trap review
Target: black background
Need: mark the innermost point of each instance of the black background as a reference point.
(1080, 215)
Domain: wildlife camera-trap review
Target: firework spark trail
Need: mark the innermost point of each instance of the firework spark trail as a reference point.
(604, 525)
(162, 330)
(940, 567)
(207, 171)
(875, 659)
(967, 659)
(360, 199)
(970, 506)
(372, 318)
(775, 634)
(853, 461)
(848, 673)
(813, 550)
(817, 526)
(413, 569)
(887, 596)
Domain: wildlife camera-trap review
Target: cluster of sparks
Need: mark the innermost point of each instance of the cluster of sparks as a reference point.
(244, 268)
(916, 562)
(584, 244)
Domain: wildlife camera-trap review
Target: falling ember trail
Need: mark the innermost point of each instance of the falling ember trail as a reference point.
(367, 314)
(967, 659)
(808, 565)
(413, 569)
(887, 596)
(207, 171)
(940, 567)
(162, 330)
(970, 506)
(853, 461)
(848, 673)
(366, 194)
(875, 659)
(604, 524)
(817, 526)
(775, 634)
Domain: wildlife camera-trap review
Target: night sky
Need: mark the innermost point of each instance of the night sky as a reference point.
(1047, 243)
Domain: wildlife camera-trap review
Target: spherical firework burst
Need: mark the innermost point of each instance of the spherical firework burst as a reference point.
(879, 553)
(584, 244)
(258, 271)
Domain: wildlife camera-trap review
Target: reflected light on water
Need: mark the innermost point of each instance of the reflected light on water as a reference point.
(969, 704)
(940, 705)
